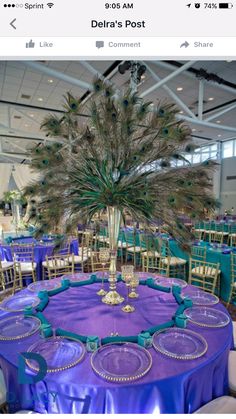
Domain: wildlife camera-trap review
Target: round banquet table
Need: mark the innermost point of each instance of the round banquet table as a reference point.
(171, 386)
(41, 250)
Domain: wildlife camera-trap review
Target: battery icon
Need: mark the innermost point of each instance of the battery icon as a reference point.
(225, 5)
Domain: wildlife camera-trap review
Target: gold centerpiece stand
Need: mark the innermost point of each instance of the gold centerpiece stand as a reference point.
(114, 216)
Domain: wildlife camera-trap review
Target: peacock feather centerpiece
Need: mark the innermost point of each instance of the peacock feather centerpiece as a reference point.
(118, 154)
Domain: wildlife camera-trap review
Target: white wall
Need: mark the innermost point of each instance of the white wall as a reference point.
(228, 187)
(22, 176)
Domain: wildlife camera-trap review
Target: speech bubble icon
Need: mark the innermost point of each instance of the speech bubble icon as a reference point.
(100, 44)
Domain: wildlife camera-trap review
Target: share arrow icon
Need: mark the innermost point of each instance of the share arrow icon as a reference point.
(188, 5)
(185, 45)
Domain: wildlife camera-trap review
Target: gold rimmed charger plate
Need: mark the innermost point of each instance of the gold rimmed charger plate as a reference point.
(35, 348)
(176, 333)
(8, 303)
(15, 321)
(120, 378)
(208, 312)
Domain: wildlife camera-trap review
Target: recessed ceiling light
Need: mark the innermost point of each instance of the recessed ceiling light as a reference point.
(40, 99)
(210, 99)
(218, 122)
(179, 89)
(181, 112)
(219, 135)
(31, 114)
(50, 80)
(194, 129)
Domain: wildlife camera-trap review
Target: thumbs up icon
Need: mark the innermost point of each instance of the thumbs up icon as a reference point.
(30, 44)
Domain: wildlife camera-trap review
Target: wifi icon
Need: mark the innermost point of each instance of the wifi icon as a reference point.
(50, 5)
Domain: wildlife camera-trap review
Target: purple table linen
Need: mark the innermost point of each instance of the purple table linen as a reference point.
(171, 386)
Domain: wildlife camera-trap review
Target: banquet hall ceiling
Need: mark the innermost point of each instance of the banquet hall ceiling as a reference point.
(27, 94)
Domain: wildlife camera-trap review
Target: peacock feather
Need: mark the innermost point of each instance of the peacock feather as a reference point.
(120, 151)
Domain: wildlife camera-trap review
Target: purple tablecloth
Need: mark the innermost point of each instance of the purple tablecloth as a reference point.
(171, 386)
(40, 252)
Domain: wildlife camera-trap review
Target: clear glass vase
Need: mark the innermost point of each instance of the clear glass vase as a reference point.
(114, 217)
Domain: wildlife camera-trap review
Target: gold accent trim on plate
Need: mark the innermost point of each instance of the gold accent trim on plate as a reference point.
(121, 379)
(217, 300)
(19, 309)
(57, 285)
(72, 364)
(208, 325)
(26, 334)
(182, 357)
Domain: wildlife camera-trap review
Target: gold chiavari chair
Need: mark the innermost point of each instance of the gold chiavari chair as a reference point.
(197, 234)
(96, 263)
(122, 247)
(88, 239)
(221, 229)
(217, 237)
(7, 279)
(82, 260)
(175, 266)
(204, 274)
(157, 266)
(198, 231)
(100, 241)
(198, 253)
(232, 294)
(135, 247)
(85, 250)
(24, 264)
(232, 235)
(232, 240)
(151, 256)
(58, 265)
(61, 248)
(78, 260)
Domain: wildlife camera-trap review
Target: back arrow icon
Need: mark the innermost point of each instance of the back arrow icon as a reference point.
(12, 23)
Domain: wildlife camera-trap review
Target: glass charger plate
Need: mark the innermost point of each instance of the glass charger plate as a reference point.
(121, 362)
(169, 282)
(18, 327)
(201, 298)
(19, 302)
(44, 285)
(180, 343)
(207, 316)
(76, 277)
(59, 353)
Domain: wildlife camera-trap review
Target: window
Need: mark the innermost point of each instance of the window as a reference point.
(196, 158)
(234, 147)
(227, 149)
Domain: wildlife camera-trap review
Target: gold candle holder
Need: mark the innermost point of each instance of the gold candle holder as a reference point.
(128, 274)
(104, 256)
(134, 283)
